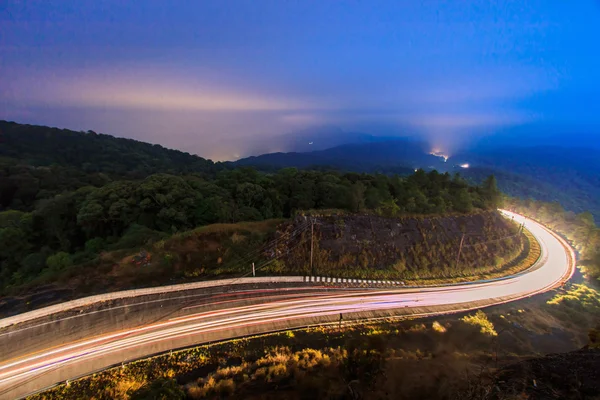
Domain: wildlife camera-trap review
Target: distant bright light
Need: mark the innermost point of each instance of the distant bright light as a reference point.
(439, 153)
(310, 142)
(464, 165)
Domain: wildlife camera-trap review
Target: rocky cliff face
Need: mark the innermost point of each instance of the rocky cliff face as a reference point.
(409, 247)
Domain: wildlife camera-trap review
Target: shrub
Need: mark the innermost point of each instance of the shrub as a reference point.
(225, 387)
(436, 326)
(95, 245)
(59, 261)
(33, 263)
(137, 235)
(481, 320)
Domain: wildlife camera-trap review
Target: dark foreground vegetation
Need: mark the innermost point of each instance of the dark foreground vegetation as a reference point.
(67, 197)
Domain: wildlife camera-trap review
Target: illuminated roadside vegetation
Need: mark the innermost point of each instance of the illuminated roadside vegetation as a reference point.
(481, 320)
(580, 229)
(576, 304)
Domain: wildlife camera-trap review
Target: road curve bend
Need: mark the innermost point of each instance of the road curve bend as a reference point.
(38, 356)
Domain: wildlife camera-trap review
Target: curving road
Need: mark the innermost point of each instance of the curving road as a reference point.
(39, 354)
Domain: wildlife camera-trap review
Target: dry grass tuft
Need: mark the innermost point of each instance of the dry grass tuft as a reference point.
(436, 326)
(481, 320)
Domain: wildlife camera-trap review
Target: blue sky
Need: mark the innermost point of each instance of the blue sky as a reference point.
(211, 77)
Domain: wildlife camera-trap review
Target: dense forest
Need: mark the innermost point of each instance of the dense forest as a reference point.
(69, 196)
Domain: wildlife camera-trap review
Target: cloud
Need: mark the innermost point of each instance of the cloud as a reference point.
(141, 89)
(220, 115)
(454, 121)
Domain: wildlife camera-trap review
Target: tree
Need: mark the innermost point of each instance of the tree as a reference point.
(389, 208)
(95, 245)
(250, 195)
(33, 263)
(357, 196)
(462, 201)
(59, 261)
(15, 244)
(490, 193)
(586, 227)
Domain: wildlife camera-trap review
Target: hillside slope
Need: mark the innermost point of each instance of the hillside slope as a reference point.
(570, 176)
(371, 246)
(39, 162)
(93, 152)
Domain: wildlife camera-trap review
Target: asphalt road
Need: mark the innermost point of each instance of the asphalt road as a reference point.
(70, 347)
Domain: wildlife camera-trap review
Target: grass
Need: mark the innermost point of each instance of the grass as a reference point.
(579, 296)
(436, 326)
(525, 260)
(417, 251)
(575, 304)
(481, 320)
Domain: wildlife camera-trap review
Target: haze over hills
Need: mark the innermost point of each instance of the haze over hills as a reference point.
(403, 155)
(308, 140)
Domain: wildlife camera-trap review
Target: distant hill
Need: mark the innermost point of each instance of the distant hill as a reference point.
(93, 152)
(399, 156)
(570, 176)
(308, 140)
(39, 162)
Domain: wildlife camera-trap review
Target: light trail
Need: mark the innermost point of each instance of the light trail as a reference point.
(270, 310)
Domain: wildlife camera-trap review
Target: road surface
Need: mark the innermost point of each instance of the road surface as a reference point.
(80, 344)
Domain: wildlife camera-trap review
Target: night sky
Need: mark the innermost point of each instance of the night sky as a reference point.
(211, 77)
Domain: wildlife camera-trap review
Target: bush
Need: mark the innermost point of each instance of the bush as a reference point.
(481, 320)
(33, 263)
(95, 245)
(138, 235)
(225, 387)
(436, 326)
(59, 261)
